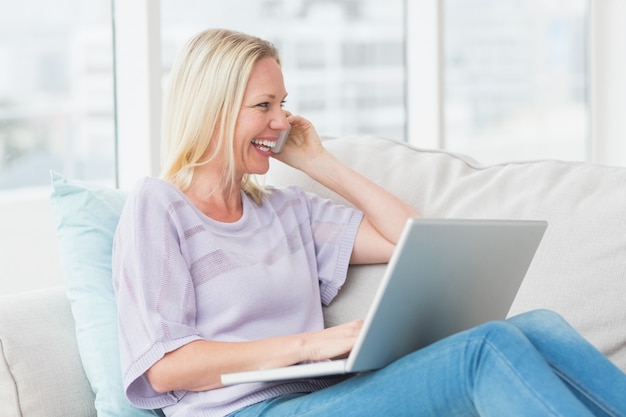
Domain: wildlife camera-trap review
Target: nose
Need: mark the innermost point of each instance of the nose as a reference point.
(279, 121)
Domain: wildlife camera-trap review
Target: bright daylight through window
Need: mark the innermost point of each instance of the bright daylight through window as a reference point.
(516, 79)
(56, 92)
(343, 59)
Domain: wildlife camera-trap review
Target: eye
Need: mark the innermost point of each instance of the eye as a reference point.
(264, 105)
(282, 103)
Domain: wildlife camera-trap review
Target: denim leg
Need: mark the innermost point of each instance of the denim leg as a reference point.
(492, 370)
(594, 379)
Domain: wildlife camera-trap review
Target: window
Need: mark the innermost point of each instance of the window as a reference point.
(56, 112)
(343, 59)
(516, 78)
(485, 77)
(502, 79)
(56, 92)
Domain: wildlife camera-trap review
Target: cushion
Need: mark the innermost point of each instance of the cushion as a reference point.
(40, 372)
(579, 269)
(87, 216)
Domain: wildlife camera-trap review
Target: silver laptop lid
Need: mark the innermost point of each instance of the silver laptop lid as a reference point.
(448, 275)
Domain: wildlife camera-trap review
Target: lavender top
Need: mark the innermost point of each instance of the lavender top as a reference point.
(180, 276)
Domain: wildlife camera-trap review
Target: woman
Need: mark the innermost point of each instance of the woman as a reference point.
(216, 274)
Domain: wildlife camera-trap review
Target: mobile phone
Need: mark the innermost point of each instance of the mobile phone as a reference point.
(282, 138)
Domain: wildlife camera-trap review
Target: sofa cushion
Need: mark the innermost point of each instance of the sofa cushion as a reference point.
(37, 350)
(87, 216)
(580, 267)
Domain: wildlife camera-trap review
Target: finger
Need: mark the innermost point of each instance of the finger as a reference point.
(291, 118)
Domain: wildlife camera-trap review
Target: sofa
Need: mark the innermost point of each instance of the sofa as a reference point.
(58, 345)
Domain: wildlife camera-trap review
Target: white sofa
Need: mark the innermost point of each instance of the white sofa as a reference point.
(579, 269)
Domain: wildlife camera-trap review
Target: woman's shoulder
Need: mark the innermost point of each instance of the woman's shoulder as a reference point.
(152, 193)
(296, 194)
(152, 187)
(291, 194)
(293, 197)
(285, 192)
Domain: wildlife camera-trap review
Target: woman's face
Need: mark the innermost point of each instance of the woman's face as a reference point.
(261, 118)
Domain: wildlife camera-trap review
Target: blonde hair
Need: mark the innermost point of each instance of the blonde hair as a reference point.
(207, 85)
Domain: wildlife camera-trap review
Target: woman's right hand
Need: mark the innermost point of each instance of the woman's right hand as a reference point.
(198, 365)
(330, 343)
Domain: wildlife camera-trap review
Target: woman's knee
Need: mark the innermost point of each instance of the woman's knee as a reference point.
(496, 330)
(544, 326)
(496, 343)
(539, 320)
(542, 315)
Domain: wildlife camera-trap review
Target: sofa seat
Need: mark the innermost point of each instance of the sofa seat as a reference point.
(52, 345)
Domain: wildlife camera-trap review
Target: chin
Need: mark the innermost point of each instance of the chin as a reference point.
(259, 170)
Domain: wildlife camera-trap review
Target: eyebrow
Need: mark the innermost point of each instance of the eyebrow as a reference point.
(270, 96)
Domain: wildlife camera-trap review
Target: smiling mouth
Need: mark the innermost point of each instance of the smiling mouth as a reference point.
(264, 145)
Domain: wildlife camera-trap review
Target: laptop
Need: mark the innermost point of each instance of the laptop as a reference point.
(445, 276)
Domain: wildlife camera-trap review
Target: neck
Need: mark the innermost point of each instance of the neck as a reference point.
(214, 201)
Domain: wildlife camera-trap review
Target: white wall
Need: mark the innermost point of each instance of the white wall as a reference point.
(28, 246)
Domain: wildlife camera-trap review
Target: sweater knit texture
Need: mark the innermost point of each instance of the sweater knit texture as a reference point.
(180, 276)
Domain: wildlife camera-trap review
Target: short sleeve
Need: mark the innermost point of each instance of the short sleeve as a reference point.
(334, 229)
(154, 291)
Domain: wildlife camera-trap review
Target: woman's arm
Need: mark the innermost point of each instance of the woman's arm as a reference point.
(139, 282)
(384, 214)
(197, 366)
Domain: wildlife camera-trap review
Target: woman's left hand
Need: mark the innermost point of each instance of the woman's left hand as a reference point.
(384, 214)
(303, 144)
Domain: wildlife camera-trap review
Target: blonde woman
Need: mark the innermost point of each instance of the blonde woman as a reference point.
(216, 274)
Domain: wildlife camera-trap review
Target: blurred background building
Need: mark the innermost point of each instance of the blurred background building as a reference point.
(515, 75)
(495, 79)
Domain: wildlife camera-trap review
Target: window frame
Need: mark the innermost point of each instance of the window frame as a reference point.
(138, 82)
(606, 61)
(607, 64)
(137, 50)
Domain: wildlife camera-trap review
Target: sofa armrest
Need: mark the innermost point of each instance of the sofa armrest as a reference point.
(40, 369)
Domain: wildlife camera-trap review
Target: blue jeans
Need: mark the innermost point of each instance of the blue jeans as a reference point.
(533, 364)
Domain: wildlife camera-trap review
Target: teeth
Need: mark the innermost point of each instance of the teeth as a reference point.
(266, 143)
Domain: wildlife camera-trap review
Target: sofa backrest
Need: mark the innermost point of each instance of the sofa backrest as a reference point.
(579, 269)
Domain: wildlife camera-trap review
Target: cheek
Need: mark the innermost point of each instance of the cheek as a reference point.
(241, 135)
(246, 128)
